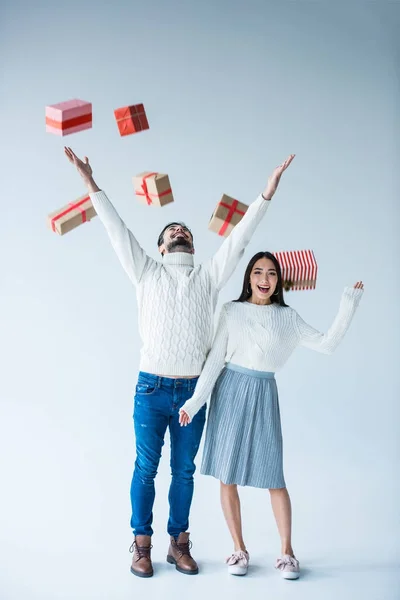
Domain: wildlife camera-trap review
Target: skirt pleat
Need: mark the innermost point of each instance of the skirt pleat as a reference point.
(243, 443)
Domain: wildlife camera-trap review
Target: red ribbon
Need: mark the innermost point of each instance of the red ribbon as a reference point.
(232, 209)
(71, 206)
(146, 193)
(81, 120)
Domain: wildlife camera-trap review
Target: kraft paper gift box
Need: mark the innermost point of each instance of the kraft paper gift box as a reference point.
(226, 215)
(68, 117)
(153, 188)
(72, 215)
(131, 119)
(299, 269)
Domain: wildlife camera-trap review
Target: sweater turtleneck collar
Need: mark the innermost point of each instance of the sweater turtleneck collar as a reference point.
(178, 259)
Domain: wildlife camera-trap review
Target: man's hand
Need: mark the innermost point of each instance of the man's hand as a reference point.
(84, 169)
(273, 180)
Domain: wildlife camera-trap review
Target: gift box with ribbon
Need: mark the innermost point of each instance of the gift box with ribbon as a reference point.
(68, 117)
(299, 269)
(131, 119)
(72, 215)
(226, 215)
(153, 189)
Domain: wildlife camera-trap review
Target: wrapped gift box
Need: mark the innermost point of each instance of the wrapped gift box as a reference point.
(299, 269)
(153, 188)
(131, 119)
(227, 214)
(72, 215)
(68, 117)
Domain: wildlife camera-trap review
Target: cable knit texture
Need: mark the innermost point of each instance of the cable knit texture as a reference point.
(176, 299)
(263, 338)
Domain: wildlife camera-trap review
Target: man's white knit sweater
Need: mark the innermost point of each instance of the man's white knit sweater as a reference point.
(176, 300)
(262, 338)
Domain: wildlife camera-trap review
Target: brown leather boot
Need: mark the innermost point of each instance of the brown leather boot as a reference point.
(179, 555)
(141, 562)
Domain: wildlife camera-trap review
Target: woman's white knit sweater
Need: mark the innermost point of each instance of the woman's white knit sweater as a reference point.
(262, 338)
(176, 300)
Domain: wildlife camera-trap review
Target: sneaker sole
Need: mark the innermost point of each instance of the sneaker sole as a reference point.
(171, 560)
(241, 571)
(290, 575)
(138, 574)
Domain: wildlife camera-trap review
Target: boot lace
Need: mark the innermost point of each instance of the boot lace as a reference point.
(142, 551)
(184, 548)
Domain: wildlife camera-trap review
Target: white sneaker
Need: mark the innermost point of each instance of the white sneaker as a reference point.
(238, 563)
(288, 566)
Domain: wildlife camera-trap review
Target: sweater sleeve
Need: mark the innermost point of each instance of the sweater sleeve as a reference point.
(328, 342)
(131, 255)
(225, 260)
(212, 368)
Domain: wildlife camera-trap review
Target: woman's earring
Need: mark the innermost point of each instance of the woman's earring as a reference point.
(276, 293)
(249, 289)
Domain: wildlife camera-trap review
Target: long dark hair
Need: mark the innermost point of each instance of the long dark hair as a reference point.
(276, 298)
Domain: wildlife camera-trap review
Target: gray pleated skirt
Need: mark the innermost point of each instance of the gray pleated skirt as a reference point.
(243, 442)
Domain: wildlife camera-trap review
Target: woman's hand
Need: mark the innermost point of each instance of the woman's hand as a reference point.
(274, 179)
(184, 418)
(359, 285)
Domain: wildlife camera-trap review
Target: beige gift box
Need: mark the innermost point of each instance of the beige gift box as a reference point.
(72, 215)
(153, 188)
(227, 214)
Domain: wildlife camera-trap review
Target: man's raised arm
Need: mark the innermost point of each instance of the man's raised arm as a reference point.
(225, 260)
(131, 255)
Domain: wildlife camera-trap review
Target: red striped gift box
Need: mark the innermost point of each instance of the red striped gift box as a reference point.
(299, 269)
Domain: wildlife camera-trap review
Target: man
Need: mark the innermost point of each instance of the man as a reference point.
(176, 303)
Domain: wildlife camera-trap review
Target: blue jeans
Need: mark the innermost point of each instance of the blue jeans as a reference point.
(157, 404)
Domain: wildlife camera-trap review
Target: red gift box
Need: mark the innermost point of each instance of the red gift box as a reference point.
(131, 119)
(299, 269)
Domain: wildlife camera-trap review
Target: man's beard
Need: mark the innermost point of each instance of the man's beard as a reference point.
(179, 244)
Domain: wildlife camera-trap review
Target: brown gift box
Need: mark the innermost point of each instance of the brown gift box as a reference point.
(153, 188)
(72, 215)
(227, 214)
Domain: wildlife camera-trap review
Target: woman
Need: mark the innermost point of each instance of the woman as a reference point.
(255, 337)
